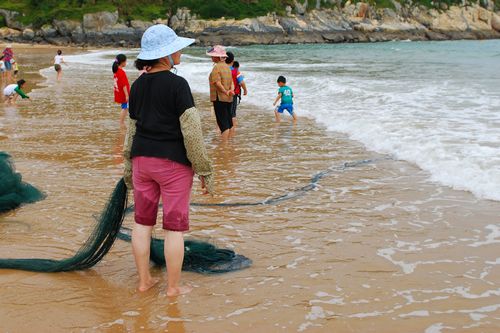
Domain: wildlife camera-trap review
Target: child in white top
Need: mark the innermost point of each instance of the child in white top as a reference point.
(3, 70)
(12, 91)
(58, 60)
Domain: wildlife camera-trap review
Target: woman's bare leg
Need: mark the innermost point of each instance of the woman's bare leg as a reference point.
(141, 241)
(174, 256)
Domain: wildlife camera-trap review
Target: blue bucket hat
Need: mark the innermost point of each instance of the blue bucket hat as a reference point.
(160, 41)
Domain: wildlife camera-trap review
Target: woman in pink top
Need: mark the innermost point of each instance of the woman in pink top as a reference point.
(7, 57)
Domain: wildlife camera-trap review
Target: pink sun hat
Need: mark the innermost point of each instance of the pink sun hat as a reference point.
(217, 51)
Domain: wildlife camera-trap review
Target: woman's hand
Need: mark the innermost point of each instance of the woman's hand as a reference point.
(203, 186)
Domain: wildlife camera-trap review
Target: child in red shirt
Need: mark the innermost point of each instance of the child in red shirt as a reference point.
(122, 86)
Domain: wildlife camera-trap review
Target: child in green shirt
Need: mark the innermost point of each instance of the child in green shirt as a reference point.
(12, 91)
(285, 93)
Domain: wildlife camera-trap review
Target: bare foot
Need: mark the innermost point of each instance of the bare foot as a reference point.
(172, 292)
(146, 286)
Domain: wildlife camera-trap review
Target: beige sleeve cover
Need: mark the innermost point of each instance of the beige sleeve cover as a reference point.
(195, 146)
(127, 146)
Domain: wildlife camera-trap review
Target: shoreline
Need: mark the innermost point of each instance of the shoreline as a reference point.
(335, 37)
(32, 74)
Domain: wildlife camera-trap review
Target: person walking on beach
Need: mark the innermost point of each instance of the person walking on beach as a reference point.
(15, 68)
(238, 83)
(58, 61)
(163, 149)
(7, 57)
(12, 91)
(121, 85)
(221, 90)
(3, 70)
(285, 94)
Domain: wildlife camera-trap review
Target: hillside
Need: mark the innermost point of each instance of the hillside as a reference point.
(243, 22)
(40, 12)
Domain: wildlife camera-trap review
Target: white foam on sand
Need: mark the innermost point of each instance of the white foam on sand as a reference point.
(492, 238)
(239, 312)
(437, 328)
(409, 267)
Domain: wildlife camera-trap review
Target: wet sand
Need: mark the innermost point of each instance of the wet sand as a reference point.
(375, 247)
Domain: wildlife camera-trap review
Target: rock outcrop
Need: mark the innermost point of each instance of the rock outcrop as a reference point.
(495, 22)
(10, 19)
(354, 22)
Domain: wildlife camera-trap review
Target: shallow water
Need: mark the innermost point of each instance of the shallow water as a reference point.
(376, 247)
(434, 104)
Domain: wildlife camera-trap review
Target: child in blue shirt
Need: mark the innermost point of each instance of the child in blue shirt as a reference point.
(285, 93)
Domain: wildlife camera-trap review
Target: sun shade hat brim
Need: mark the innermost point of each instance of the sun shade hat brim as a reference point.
(160, 41)
(217, 51)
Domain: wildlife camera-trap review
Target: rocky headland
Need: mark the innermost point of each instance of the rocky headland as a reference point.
(354, 22)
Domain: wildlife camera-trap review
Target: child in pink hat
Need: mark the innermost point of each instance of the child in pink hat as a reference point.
(217, 51)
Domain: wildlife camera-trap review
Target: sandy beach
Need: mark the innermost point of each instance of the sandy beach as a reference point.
(374, 246)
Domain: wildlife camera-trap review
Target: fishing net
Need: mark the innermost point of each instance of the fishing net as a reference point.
(202, 257)
(199, 256)
(93, 250)
(13, 191)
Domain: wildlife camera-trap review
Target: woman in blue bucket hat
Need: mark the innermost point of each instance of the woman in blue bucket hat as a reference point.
(163, 149)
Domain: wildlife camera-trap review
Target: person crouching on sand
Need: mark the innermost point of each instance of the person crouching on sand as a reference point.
(163, 150)
(221, 90)
(121, 86)
(12, 91)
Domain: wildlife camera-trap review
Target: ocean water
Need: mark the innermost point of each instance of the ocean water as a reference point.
(434, 104)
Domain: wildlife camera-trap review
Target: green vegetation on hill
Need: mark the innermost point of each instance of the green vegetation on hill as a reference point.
(39, 12)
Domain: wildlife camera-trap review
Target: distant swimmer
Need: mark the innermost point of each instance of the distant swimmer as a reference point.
(285, 93)
(12, 91)
(58, 61)
(121, 86)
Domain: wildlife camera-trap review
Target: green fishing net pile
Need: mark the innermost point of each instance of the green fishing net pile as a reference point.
(202, 257)
(13, 191)
(199, 256)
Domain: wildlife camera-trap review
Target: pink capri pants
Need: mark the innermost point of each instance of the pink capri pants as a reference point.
(153, 177)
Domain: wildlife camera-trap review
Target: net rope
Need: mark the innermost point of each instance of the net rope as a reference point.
(200, 256)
